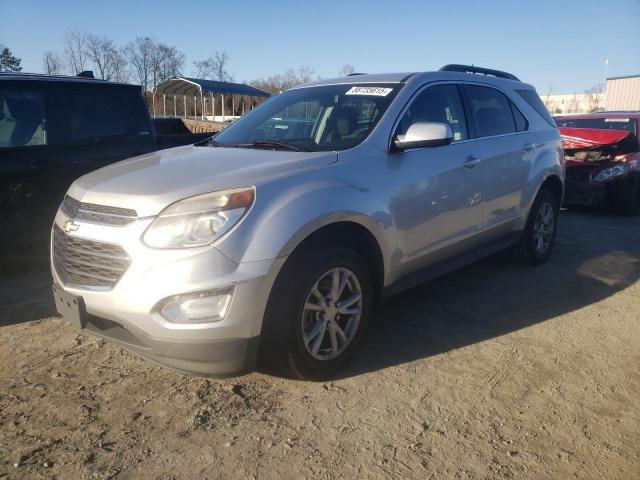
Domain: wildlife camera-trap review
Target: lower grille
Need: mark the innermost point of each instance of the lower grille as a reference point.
(87, 263)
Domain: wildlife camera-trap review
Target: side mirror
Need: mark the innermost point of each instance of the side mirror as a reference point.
(424, 134)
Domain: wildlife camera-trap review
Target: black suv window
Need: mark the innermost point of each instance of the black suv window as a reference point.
(22, 122)
(440, 104)
(97, 114)
(491, 110)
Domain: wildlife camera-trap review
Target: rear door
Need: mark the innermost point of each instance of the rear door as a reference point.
(506, 151)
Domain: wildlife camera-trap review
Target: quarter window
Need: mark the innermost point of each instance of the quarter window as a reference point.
(22, 122)
(491, 110)
(439, 104)
(522, 123)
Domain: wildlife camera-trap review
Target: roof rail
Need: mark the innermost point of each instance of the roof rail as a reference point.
(355, 73)
(483, 71)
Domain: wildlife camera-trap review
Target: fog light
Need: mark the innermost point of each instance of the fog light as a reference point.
(199, 307)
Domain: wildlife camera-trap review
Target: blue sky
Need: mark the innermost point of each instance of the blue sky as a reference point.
(562, 43)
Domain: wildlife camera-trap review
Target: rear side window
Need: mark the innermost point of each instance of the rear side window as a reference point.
(491, 111)
(22, 121)
(532, 98)
(97, 114)
(440, 104)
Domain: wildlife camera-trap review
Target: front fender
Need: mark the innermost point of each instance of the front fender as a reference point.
(288, 211)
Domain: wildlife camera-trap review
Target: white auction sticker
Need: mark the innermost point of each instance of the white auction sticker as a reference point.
(616, 119)
(377, 91)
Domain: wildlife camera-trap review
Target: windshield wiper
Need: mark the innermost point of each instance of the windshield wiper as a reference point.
(276, 145)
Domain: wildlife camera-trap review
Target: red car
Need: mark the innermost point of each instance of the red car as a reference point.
(602, 154)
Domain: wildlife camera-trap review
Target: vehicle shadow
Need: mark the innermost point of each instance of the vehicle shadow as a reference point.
(595, 256)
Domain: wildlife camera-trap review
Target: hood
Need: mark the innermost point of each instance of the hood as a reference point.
(594, 139)
(150, 182)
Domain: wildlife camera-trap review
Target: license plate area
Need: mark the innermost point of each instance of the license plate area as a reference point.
(71, 307)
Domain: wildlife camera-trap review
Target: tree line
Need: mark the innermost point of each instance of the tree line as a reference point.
(147, 62)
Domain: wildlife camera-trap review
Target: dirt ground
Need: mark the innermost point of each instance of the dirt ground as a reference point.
(494, 371)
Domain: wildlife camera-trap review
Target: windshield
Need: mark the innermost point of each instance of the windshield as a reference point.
(613, 123)
(330, 117)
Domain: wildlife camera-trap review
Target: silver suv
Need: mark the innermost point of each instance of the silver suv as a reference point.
(283, 233)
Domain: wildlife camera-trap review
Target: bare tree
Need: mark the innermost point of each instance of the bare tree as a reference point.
(120, 66)
(103, 53)
(280, 82)
(574, 104)
(52, 63)
(304, 74)
(75, 51)
(214, 67)
(594, 97)
(204, 68)
(139, 53)
(166, 62)
(346, 70)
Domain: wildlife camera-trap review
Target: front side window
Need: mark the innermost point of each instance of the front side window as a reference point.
(22, 121)
(96, 115)
(491, 110)
(439, 104)
(324, 118)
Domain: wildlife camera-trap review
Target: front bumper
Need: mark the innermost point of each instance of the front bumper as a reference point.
(127, 314)
(582, 191)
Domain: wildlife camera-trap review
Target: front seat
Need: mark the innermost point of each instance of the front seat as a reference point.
(341, 124)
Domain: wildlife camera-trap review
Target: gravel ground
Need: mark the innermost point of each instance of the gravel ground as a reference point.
(494, 371)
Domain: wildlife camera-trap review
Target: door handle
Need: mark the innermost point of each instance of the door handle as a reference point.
(471, 161)
(527, 147)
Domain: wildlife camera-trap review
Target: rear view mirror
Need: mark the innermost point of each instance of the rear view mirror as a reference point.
(424, 134)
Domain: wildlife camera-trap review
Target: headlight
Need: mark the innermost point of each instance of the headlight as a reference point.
(614, 172)
(200, 220)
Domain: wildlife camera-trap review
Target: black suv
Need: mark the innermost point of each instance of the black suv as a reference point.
(53, 129)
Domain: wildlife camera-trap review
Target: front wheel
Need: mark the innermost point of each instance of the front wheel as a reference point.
(317, 312)
(539, 235)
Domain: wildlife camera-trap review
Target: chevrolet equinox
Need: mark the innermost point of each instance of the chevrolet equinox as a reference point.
(283, 233)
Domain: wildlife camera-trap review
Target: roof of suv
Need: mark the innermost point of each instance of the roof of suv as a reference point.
(58, 78)
(407, 76)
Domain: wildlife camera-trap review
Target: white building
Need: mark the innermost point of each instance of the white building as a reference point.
(623, 93)
(572, 103)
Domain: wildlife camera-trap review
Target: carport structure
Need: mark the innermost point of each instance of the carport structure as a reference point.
(205, 91)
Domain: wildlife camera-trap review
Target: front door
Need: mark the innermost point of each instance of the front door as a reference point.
(438, 195)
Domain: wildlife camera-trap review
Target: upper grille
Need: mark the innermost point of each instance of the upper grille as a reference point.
(98, 213)
(87, 263)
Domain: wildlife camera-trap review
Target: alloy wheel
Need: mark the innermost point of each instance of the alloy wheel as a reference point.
(331, 314)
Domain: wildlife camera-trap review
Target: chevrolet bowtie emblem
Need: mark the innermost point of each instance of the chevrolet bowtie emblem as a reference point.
(70, 226)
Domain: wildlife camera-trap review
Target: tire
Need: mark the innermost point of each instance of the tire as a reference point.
(528, 251)
(289, 321)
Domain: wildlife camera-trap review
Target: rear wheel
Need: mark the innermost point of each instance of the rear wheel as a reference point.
(539, 235)
(317, 312)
